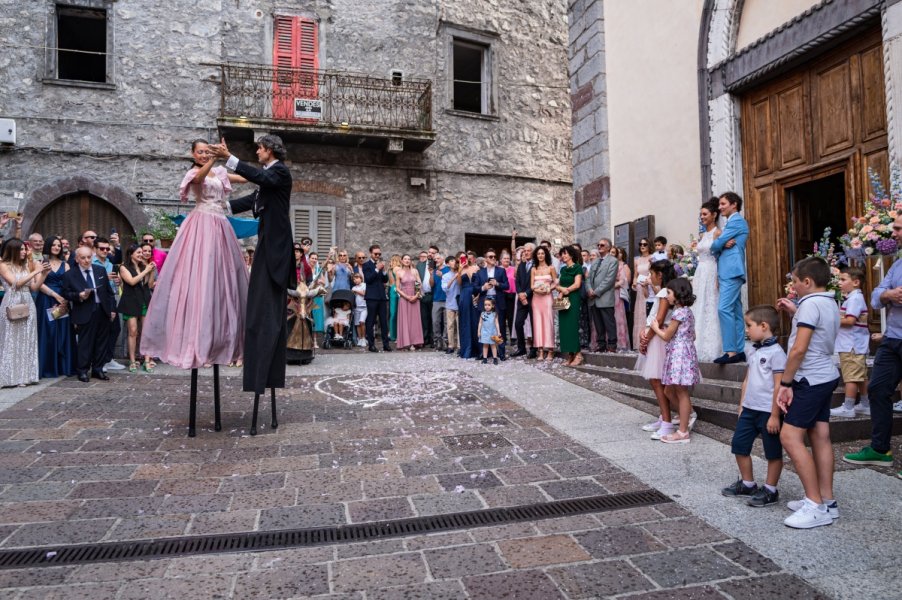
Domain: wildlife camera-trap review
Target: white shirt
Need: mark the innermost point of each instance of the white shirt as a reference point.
(360, 301)
(857, 337)
(764, 363)
(817, 311)
(490, 273)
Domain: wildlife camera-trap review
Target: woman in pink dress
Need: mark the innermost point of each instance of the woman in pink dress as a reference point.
(641, 265)
(621, 304)
(543, 278)
(410, 326)
(196, 315)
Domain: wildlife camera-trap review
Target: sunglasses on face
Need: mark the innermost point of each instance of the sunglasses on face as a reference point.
(150, 241)
(643, 243)
(103, 249)
(90, 237)
(490, 256)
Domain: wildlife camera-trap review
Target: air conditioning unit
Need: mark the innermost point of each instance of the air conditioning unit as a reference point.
(7, 131)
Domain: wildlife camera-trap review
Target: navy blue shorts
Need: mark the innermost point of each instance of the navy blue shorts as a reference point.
(750, 425)
(810, 403)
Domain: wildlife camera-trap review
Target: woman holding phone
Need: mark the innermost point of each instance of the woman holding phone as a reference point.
(468, 317)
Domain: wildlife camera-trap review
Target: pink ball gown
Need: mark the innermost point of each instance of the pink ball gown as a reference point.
(196, 315)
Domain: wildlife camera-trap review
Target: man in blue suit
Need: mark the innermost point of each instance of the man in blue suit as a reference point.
(729, 249)
(376, 304)
(491, 281)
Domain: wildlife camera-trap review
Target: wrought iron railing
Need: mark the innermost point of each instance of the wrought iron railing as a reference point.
(325, 98)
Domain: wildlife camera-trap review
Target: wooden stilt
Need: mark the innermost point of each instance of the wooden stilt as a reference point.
(218, 424)
(254, 418)
(192, 411)
(275, 420)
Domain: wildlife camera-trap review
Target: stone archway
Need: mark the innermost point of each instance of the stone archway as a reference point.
(121, 199)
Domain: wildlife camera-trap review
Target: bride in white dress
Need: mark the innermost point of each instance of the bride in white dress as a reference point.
(704, 284)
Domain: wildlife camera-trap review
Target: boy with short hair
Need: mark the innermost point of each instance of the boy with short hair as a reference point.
(758, 410)
(852, 344)
(660, 252)
(806, 389)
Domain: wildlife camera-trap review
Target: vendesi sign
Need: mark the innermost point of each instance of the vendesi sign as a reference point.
(308, 109)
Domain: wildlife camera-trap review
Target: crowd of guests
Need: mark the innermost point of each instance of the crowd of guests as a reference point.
(540, 299)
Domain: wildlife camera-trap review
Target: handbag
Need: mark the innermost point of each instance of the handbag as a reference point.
(561, 303)
(17, 312)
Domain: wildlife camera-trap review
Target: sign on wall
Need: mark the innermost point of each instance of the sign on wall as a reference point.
(308, 109)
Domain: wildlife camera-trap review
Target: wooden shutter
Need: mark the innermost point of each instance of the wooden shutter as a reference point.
(301, 223)
(295, 60)
(325, 230)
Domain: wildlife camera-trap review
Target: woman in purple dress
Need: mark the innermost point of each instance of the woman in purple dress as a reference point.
(410, 327)
(196, 315)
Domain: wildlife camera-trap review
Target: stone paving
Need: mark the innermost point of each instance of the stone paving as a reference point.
(111, 461)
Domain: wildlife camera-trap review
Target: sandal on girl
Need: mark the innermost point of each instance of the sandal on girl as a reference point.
(148, 368)
(133, 367)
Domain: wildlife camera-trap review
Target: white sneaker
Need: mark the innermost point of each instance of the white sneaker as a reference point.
(842, 411)
(863, 410)
(807, 517)
(832, 508)
(692, 419)
(113, 366)
(897, 407)
(654, 426)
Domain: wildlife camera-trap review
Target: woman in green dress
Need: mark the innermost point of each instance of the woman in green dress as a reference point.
(569, 284)
(394, 263)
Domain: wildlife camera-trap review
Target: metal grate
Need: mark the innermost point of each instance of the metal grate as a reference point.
(258, 541)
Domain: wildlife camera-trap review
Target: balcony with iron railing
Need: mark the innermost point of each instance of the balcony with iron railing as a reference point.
(326, 107)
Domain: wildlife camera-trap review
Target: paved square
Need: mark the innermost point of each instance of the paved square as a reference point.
(100, 463)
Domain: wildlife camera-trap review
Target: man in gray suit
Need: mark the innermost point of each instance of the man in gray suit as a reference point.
(602, 277)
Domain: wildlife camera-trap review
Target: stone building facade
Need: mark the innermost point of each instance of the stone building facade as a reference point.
(108, 135)
(591, 162)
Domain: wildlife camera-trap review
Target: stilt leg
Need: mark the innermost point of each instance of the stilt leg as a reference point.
(275, 420)
(218, 425)
(192, 411)
(254, 419)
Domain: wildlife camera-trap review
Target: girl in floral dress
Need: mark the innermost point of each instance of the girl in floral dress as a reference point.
(681, 362)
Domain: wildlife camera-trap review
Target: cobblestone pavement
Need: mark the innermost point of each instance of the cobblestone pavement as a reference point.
(417, 436)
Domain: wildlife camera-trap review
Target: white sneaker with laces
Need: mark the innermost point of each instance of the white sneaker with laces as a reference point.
(808, 517)
(842, 411)
(654, 426)
(832, 508)
(897, 407)
(113, 366)
(863, 410)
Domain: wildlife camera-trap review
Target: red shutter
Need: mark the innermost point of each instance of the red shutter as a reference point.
(295, 59)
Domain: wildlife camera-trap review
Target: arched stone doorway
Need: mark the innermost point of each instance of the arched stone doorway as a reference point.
(71, 205)
(73, 214)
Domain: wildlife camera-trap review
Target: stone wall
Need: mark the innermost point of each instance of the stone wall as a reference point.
(591, 163)
(135, 136)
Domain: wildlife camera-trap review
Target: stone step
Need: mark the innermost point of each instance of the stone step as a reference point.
(627, 360)
(722, 412)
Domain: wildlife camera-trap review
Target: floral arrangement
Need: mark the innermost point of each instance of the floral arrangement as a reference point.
(686, 264)
(872, 232)
(826, 249)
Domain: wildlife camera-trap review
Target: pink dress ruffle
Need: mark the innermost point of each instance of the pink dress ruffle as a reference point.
(197, 312)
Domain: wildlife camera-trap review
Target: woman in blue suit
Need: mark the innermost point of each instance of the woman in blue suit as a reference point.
(467, 315)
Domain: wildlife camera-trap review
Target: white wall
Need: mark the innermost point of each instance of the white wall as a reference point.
(760, 17)
(653, 108)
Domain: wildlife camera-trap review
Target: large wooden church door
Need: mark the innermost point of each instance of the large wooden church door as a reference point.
(69, 216)
(808, 140)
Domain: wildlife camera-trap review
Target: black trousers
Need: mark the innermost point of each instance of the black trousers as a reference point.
(885, 377)
(426, 318)
(508, 324)
(605, 326)
(93, 339)
(115, 330)
(265, 334)
(376, 308)
(523, 312)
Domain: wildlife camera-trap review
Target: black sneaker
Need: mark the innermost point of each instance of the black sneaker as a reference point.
(764, 497)
(495, 361)
(738, 488)
(485, 361)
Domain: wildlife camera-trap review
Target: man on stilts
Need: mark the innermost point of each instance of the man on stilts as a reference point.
(266, 330)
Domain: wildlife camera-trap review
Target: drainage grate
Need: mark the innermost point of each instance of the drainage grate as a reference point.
(259, 541)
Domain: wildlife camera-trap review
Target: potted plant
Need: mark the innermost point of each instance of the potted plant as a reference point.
(162, 228)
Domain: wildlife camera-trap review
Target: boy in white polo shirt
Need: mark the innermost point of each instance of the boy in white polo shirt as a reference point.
(758, 410)
(806, 389)
(852, 344)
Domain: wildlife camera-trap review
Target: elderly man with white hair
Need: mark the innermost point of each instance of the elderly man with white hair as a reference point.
(524, 299)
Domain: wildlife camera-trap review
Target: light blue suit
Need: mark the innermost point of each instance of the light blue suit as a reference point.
(731, 276)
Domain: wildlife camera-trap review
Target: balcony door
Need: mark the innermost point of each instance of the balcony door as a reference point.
(296, 60)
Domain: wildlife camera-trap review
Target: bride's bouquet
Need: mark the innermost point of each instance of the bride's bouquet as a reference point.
(687, 263)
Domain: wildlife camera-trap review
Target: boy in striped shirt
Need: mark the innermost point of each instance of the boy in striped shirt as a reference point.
(852, 344)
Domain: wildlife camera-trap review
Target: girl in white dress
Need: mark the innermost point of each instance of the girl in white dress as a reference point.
(704, 283)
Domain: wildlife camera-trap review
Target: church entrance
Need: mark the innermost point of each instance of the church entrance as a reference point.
(809, 138)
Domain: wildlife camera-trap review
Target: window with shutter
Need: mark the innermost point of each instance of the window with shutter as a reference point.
(295, 60)
(317, 223)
